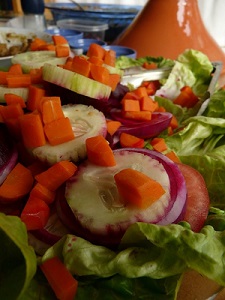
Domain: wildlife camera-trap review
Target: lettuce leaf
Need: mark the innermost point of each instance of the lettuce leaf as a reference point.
(17, 259)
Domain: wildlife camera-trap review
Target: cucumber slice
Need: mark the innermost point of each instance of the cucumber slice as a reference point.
(76, 82)
(23, 92)
(86, 122)
(93, 197)
(36, 59)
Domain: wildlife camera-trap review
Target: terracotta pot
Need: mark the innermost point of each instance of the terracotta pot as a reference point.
(167, 28)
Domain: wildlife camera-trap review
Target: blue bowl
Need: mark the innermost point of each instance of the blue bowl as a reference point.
(80, 46)
(117, 16)
(122, 51)
(67, 33)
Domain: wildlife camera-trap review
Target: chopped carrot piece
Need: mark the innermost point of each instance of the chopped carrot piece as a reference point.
(149, 66)
(41, 192)
(110, 58)
(128, 140)
(59, 40)
(99, 151)
(131, 105)
(172, 155)
(59, 131)
(174, 122)
(159, 144)
(13, 98)
(186, 98)
(20, 80)
(36, 76)
(17, 184)
(114, 79)
(35, 213)
(137, 189)
(96, 60)
(161, 109)
(130, 95)
(147, 103)
(141, 91)
(32, 130)
(62, 51)
(112, 126)
(56, 175)
(36, 43)
(3, 76)
(59, 278)
(100, 74)
(16, 69)
(138, 115)
(96, 50)
(51, 109)
(11, 111)
(35, 97)
(81, 66)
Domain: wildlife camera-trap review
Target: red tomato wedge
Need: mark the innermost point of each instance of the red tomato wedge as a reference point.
(197, 199)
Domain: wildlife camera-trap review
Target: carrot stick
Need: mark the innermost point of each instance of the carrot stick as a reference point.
(147, 103)
(17, 184)
(59, 131)
(35, 97)
(36, 43)
(96, 60)
(141, 91)
(159, 144)
(138, 115)
(114, 79)
(99, 151)
(174, 122)
(11, 111)
(59, 40)
(3, 76)
(100, 74)
(51, 109)
(41, 192)
(128, 140)
(16, 69)
(62, 51)
(110, 58)
(56, 175)
(112, 126)
(20, 80)
(13, 98)
(36, 76)
(81, 66)
(60, 279)
(130, 105)
(32, 130)
(35, 213)
(137, 189)
(172, 155)
(96, 50)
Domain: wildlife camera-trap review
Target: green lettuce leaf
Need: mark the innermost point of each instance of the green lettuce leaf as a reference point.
(201, 144)
(18, 261)
(148, 255)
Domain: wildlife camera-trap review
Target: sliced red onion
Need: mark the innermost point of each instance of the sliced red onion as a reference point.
(143, 129)
(53, 231)
(178, 190)
(8, 153)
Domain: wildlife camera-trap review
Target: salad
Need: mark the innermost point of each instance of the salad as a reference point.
(151, 259)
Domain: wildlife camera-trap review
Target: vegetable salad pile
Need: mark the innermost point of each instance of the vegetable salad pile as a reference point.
(76, 216)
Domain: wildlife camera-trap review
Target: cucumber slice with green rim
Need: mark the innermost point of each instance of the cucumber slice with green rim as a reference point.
(23, 92)
(86, 122)
(36, 59)
(76, 82)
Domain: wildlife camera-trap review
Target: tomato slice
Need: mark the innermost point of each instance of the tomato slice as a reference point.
(197, 197)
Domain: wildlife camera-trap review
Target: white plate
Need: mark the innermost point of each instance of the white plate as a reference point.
(6, 60)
